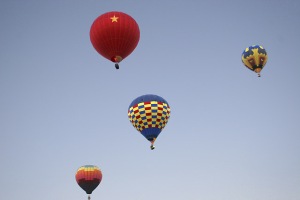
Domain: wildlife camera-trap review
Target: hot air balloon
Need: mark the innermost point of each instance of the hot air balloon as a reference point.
(255, 58)
(88, 178)
(149, 114)
(115, 35)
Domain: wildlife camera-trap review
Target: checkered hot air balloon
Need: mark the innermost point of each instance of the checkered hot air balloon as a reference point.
(115, 35)
(149, 114)
(88, 178)
(255, 58)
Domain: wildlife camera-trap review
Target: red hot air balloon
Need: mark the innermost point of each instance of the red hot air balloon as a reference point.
(88, 178)
(115, 35)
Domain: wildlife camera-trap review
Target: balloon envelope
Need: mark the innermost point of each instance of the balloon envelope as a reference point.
(115, 35)
(149, 114)
(88, 177)
(255, 58)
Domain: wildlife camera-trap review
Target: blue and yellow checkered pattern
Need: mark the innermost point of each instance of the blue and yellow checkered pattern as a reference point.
(152, 114)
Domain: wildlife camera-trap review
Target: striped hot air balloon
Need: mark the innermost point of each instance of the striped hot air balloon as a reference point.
(88, 178)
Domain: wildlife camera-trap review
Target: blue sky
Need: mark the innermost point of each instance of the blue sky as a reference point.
(231, 135)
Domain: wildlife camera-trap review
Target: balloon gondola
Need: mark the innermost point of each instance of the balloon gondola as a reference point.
(255, 58)
(88, 177)
(114, 35)
(149, 114)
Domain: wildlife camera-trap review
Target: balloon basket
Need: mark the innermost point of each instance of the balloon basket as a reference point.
(152, 147)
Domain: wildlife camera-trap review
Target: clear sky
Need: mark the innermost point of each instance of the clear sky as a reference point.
(231, 135)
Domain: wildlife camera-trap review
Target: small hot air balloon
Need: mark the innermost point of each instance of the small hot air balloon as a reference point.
(88, 178)
(255, 58)
(149, 114)
(115, 35)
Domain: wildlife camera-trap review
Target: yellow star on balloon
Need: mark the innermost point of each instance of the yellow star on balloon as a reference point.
(114, 19)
